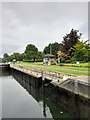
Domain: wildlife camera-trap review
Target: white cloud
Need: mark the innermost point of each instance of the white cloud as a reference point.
(45, 0)
(0, 30)
(40, 23)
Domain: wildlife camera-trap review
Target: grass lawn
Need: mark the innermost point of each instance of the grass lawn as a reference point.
(56, 68)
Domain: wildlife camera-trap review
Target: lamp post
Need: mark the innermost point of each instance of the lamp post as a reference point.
(50, 48)
(59, 60)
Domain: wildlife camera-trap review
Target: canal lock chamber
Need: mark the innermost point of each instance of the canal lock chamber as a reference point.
(73, 103)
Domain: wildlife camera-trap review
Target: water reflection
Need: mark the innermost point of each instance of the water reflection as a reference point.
(23, 98)
(48, 107)
(0, 98)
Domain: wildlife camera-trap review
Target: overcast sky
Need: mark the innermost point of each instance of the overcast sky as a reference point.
(40, 23)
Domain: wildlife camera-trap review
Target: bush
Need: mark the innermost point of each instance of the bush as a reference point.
(68, 61)
(53, 63)
(39, 60)
(61, 64)
(62, 60)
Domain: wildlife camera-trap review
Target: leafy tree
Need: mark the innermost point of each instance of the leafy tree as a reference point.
(47, 49)
(30, 55)
(61, 54)
(0, 60)
(88, 48)
(31, 48)
(5, 57)
(69, 42)
(81, 51)
(31, 52)
(52, 48)
(11, 58)
(17, 56)
(40, 55)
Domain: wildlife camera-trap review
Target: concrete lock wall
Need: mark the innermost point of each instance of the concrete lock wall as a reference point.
(74, 103)
(5, 70)
(35, 82)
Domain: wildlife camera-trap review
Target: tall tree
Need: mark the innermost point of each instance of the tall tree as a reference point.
(52, 48)
(31, 47)
(69, 42)
(81, 51)
(17, 56)
(5, 57)
(31, 52)
(40, 55)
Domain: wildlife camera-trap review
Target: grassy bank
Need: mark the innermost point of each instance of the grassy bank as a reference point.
(56, 68)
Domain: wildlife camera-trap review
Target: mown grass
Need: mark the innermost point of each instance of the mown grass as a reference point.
(40, 64)
(55, 68)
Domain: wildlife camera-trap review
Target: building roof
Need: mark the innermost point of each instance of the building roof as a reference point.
(49, 56)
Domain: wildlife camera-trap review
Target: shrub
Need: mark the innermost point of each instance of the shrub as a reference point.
(68, 61)
(53, 63)
(62, 60)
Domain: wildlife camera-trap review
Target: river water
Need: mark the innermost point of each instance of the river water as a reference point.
(21, 100)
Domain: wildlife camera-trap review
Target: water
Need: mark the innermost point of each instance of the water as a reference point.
(0, 98)
(20, 100)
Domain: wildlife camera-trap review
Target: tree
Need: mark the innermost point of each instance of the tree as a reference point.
(17, 56)
(61, 54)
(0, 60)
(40, 55)
(88, 48)
(81, 51)
(31, 52)
(5, 57)
(47, 49)
(52, 48)
(69, 42)
(31, 48)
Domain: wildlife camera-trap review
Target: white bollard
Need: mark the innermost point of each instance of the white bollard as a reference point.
(76, 86)
(43, 76)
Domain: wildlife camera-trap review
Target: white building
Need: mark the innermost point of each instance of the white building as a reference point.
(48, 59)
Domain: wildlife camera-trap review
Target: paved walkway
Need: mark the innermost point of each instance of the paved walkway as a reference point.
(68, 69)
(84, 71)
